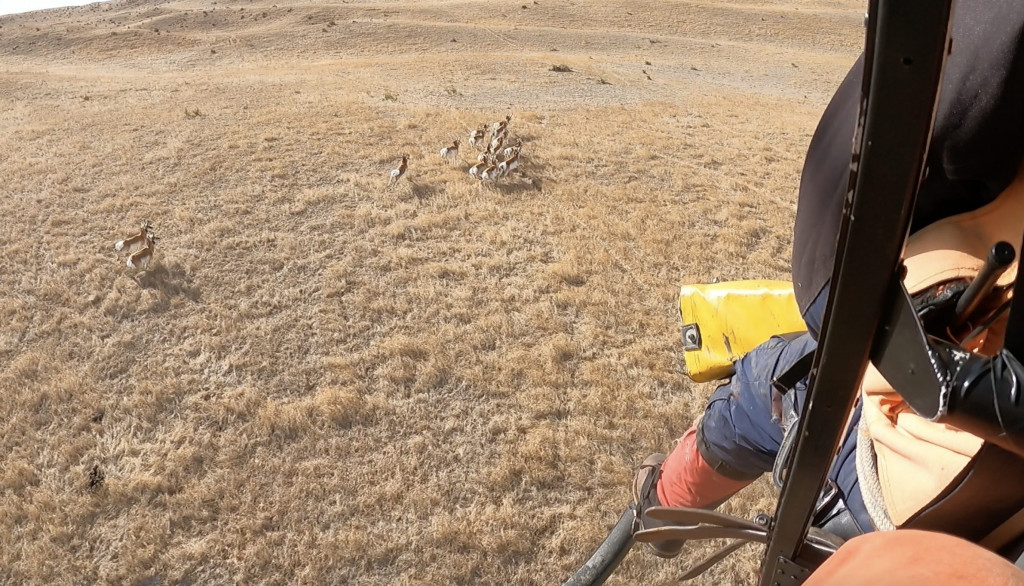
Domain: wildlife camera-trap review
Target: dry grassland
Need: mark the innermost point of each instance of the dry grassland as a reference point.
(323, 381)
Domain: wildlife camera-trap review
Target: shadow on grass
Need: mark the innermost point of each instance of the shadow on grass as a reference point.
(528, 177)
(422, 191)
(172, 281)
(521, 184)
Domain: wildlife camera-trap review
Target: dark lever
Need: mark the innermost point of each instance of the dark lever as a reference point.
(1000, 257)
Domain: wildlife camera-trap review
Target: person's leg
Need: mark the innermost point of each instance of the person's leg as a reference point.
(687, 480)
(737, 436)
(847, 517)
(733, 443)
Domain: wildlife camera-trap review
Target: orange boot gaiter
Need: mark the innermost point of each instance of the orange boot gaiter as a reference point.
(688, 481)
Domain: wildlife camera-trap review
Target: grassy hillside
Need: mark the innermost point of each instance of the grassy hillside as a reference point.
(322, 380)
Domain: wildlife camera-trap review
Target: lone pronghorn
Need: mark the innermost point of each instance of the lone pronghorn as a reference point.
(135, 242)
(451, 153)
(142, 258)
(396, 174)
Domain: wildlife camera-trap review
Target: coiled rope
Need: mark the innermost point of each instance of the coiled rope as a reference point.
(867, 476)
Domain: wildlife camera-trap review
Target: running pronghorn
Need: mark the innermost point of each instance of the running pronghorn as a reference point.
(396, 174)
(500, 126)
(485, 157)
(451, 153)
(491, 173)
(135, 242)
(507, 153)
(476, 170)
(510, 164)
(496, 143)
(500, 133)
(476, 137)
(142, 258)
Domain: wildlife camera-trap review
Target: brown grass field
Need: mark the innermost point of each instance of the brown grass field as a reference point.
(323, 381)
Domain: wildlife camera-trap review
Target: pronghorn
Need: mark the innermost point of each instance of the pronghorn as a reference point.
(142, 258)
(135, 242)
(500, 132)
(513, 159)
(491, 173)
(476, 137)
(507, 153)
(496, 144)
(396, 174)
(501, 124)
(503, 169)
(511, 163)
(485, 157)
(451, 153)
(476, 170)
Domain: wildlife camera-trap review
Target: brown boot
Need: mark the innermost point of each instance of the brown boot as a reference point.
(645, 495)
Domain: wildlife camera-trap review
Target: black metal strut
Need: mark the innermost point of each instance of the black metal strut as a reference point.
(603, 561)
(905, 48)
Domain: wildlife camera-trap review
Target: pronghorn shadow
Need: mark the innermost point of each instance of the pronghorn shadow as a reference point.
(172, 281)
(529, 177)
(526, 137)
(422, 191)
(522, 184)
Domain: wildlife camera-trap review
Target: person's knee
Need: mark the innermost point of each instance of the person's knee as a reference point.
(728, 448)
(738, 434)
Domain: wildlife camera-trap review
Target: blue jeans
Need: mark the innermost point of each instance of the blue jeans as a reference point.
(738, 427)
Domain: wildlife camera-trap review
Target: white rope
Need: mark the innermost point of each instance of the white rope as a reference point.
(867, 476)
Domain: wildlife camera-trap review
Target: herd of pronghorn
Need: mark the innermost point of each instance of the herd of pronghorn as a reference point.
(497, 153)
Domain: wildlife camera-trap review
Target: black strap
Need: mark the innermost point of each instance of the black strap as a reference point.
(786, 381)
(797, 372)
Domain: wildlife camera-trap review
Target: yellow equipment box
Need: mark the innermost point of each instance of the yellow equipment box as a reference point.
(724, 321)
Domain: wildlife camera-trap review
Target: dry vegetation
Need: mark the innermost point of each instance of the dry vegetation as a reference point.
(325, 382)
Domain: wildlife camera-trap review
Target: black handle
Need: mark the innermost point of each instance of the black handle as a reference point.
(1000, 257)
